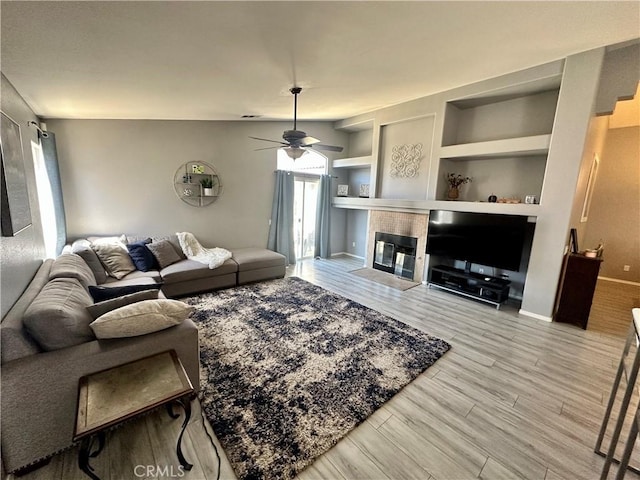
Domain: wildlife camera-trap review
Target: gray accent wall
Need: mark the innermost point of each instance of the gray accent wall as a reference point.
(22, 254)
(117, 177)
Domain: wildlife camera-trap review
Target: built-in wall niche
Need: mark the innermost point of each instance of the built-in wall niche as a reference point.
(513, 178)
(496, 118)
(355, 170)
(361, 140)
(405, 155)
(501, 140)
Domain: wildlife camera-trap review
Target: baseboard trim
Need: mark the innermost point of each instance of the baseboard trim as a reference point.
(626, 282)
(535, 315)
(347, 254)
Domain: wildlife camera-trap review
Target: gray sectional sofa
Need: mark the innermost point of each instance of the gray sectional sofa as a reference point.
(39, 385)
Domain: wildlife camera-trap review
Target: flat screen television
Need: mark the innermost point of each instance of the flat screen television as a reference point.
(483, 238)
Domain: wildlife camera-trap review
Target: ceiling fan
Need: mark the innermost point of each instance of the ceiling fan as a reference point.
(296, 142)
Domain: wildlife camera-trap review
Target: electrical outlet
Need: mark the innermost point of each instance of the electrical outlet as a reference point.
(626, 268)
(353, 244)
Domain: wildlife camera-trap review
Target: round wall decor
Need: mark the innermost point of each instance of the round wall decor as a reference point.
(197, 184)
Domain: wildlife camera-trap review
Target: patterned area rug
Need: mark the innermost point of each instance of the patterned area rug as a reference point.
(288, 368)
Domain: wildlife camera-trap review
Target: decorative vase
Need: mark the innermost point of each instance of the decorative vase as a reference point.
(208, 192)
(453, 193)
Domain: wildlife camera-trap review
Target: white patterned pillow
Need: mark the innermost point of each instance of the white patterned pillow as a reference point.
(140, 318)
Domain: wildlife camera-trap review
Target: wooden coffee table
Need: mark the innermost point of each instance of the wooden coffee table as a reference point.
(111, 397)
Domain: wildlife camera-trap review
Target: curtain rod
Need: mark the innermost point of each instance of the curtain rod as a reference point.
(41, 132)
(289, 172)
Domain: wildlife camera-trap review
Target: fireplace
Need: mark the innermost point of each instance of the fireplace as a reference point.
(395, 254)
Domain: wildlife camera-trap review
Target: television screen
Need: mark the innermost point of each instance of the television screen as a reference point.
(486, 239)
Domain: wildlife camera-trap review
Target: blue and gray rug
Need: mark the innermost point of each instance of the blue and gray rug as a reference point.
(288, 369)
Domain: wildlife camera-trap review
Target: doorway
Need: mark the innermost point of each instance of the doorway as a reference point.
(305, 201)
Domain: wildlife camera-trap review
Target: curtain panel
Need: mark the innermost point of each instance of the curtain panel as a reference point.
(323, 220)
(281, 229)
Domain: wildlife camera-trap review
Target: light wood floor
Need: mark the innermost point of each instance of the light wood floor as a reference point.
(514, 397)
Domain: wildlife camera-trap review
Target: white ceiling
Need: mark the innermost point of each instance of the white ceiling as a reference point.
(220, 60)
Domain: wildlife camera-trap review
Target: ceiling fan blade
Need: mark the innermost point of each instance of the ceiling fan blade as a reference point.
(328, 148)
(308, 141)
(267, 140)
(266, 148)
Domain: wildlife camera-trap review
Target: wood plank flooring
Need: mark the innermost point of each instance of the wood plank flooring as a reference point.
(515, 398)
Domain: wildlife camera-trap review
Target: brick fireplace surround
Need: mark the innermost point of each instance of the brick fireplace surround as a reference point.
(398, 223)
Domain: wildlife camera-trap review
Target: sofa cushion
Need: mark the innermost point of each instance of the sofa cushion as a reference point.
(101, 293)
(141, 318)
(186, 270)
(146, 278)
(164, 252)
(142, 257)
(115, 257)
(58, 317)
(98, 309)
(71, 265)
(254, 258)
(82, 247)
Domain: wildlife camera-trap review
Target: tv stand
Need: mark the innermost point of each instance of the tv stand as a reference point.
(481, 287)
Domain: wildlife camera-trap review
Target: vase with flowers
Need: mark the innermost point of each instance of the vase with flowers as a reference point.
(455, 180)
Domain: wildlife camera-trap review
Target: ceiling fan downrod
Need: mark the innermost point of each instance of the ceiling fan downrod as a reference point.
(295, 91)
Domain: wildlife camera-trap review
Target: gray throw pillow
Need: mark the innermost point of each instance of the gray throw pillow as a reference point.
(71, 265)
(83, 248)
(98, 309)
(115, 257)
(58, 317)
(164, 253)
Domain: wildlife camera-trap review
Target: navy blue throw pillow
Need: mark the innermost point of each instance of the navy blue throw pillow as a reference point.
(100, 294)
(142, 257)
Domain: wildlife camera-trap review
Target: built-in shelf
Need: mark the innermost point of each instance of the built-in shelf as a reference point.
(354, 162)
(522, 146)
(423, 206)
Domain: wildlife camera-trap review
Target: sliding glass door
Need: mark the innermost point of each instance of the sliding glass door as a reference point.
(304, 214)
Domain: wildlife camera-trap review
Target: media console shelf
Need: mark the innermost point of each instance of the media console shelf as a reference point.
(469, 284)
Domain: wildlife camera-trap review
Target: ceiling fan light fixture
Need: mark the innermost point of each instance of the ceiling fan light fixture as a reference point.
(294, 152)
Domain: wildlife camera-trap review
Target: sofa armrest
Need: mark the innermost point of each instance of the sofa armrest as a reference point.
(39, 392)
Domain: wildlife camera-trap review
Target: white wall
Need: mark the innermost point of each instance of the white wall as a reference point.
(117, 177)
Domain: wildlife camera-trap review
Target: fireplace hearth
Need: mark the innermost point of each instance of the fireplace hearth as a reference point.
(395, 254)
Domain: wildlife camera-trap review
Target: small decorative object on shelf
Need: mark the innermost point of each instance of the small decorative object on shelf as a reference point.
(455, 180)
(364, 190)
(492, 198)
(207, 186)
(530, 199)
(197, 168)
(509, 200)
(343, 190)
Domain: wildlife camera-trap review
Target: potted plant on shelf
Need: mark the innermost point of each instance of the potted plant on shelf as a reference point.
(455, 180)
(207, 186)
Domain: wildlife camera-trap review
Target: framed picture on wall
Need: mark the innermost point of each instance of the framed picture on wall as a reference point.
(14, 196)
(591, 182)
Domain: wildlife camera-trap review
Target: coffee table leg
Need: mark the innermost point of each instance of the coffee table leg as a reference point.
(85, 453)
(186, 406)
